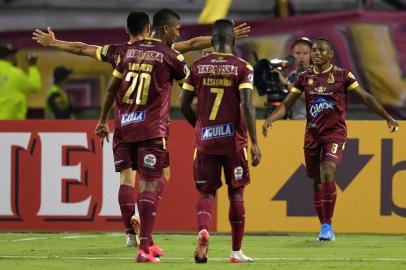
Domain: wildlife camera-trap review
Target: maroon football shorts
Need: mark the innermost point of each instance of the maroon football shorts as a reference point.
(148, 157)
(320, 150)
(207, 170)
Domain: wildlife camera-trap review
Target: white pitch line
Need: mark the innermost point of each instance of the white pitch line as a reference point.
(210, 259)
(28, 239)
(78, 236)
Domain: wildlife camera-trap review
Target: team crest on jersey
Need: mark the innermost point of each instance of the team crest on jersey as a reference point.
(219, 131)
(310, 81)
(238, 173)
(330, 78)
(150, 161)
(320, 105)
(132, 117)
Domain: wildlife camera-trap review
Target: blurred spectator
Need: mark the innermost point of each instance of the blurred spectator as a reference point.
(58, 105)
(15, 83)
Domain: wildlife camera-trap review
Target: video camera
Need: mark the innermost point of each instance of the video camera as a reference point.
(267, 82)
(266, 79)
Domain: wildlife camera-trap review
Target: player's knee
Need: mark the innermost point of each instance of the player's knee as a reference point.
(127, 177)
(151, 186)
(236, 194)
(208, 195)
(166, 173)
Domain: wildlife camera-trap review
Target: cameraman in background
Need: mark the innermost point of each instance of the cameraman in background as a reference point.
(301, 51)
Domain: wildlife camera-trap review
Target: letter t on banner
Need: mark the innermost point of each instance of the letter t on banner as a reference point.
(52, 173)
(8, 140)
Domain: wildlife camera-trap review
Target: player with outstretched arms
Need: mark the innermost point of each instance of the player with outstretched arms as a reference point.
(163, 24)
(222, 84)
(326, 88)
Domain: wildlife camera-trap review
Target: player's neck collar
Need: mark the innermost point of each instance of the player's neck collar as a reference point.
(154, 39)
(220, 53)
(327, 70)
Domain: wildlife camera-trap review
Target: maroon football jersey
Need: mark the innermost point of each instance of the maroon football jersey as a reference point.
(216, 79)
(326, 100)
(147, 69)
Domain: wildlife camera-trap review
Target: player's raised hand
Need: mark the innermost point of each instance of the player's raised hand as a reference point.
(102, 130)
(242, 30)
(255, 155)
(392, 124)
(267, 124)
(45, 39)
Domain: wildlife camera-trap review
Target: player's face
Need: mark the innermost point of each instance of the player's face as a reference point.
(321, 53)
(301, 52)
(172, 31)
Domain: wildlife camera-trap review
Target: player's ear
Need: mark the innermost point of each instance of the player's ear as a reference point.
(126, 30)
(165, 29)
(331, 54)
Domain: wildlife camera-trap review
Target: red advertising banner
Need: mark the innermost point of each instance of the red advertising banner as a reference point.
(55, 176)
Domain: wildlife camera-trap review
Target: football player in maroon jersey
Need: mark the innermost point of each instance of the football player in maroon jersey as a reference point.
(222, 84)
(325, 87)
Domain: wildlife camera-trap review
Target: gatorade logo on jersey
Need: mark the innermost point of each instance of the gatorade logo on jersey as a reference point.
(320, 105)
(132, 117)
(219, 131)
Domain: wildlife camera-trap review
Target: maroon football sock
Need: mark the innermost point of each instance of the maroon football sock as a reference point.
(317, 202)
(329, 194)
(161, 185)
(204, 209)
(147, 208)
(127, 206)
(236, 216)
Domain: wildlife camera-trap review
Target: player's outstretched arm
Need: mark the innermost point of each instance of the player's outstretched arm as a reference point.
(186, 106)
(250, 118)
(280, 111)
(48, 40)
(372, 104)
(102, 129)
(204, 42)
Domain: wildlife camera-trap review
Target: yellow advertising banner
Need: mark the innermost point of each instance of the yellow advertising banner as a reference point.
(371, 183)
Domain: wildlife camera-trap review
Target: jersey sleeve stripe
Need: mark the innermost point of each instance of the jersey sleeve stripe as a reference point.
(188, 87)
(117, 74)
(180, 57)
(296, 90)
(352, 86)
(245, 85)
(98, 54)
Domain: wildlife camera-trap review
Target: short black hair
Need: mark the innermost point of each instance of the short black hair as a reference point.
(137, 21)
(325, 40)
(163, 16)
(302, 40)
(61, 73)
(223, 29)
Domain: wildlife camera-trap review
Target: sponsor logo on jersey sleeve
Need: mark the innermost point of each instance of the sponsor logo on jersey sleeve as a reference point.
(219, 131)
(132, 117)
(320, 105)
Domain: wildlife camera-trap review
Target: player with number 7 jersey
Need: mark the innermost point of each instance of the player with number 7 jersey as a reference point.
(216, 78)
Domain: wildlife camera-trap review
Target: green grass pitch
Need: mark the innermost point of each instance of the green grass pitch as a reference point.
(80, 251)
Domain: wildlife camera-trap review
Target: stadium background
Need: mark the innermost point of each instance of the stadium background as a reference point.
(54, 175)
